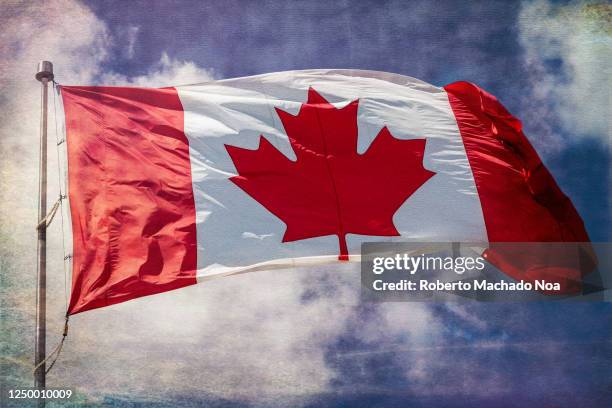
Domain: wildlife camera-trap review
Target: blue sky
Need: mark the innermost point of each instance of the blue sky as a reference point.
(307, 340)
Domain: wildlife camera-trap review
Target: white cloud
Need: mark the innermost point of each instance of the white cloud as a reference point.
(167, 72)
(578, 37)
(249, 337)
(132, 36)
(411, 322)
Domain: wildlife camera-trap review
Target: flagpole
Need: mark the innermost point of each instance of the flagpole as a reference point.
(44, 75)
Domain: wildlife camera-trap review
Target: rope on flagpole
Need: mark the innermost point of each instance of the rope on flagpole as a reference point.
(56, 351)
(45, 222)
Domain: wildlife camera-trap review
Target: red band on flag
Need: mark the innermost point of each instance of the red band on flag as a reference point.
(521, 202)
(131, 197)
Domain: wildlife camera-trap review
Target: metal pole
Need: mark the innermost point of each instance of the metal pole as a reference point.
(44, 75)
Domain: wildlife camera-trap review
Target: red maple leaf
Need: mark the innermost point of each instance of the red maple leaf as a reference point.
(331, 189)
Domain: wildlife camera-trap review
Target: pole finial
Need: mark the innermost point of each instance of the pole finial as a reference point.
(45, 70)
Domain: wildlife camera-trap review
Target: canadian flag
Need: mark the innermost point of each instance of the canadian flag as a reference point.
(171, 186)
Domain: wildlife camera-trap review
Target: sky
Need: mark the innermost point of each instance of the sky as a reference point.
(304, 338)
